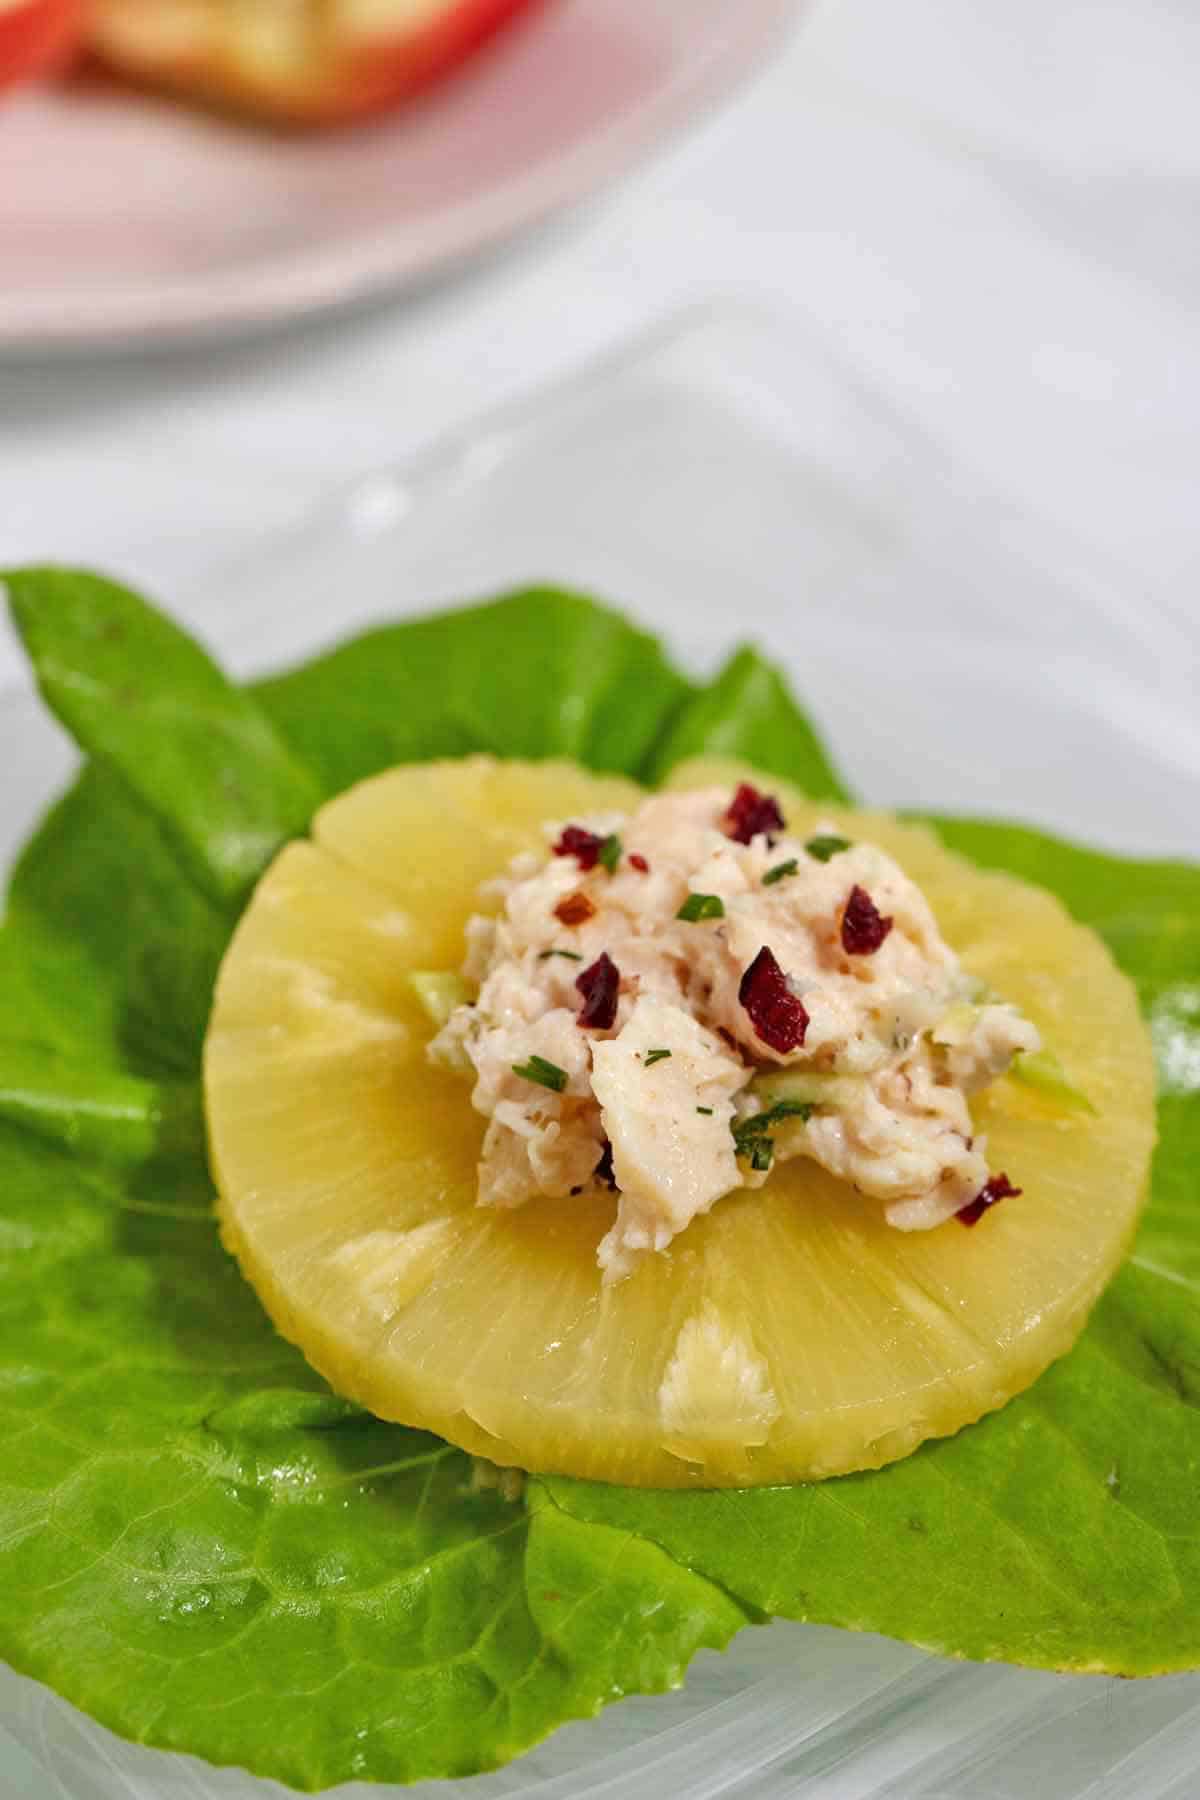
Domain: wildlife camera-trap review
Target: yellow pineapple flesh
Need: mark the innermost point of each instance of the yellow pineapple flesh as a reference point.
(788, 1335)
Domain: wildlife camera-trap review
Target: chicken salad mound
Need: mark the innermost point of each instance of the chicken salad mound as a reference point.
(676, 998)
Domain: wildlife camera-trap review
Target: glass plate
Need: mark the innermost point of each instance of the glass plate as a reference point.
(728, 478)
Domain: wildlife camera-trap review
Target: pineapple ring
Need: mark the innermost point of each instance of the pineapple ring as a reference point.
(787, 1336)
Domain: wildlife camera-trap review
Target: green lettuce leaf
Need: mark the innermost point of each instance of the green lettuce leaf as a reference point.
(97, 1113)
(147, 702)
(210, 1552)
(749, 714)
(111, 953)
(536, 674)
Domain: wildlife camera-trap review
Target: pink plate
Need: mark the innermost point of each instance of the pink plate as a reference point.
(127, 219)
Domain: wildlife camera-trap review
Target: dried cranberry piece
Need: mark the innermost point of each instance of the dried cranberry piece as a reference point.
(603, 1170)
(777, 1015)
(997, 1187)
(599, 985)
(583, 845)
(575, 909)
(863, 929)
(750, 813)
(639, 863)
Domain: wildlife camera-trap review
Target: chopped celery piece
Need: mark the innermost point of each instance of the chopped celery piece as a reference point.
(807, 1088)
(1041, 1070)
(439, 992)
(956, 1023)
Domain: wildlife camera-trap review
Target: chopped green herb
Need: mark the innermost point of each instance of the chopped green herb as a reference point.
(653, 1056)
(609, 853)
(706, 1110)
(746, 1130)
(542, 1073)
(780, 872)
(701, 906)
(760, 1123)
(752, 1136)
(571, 955)
(791, 1109)
(825, 847)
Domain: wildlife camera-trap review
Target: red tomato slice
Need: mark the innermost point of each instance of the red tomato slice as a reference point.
(35, 37)
(319, 64)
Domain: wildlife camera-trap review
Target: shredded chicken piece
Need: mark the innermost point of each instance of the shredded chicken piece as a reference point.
(648, 1104)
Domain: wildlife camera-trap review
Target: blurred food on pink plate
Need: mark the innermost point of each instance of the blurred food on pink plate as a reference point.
(300, 64)
(36, 37)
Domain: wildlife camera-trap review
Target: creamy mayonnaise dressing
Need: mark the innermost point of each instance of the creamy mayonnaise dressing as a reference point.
(809, 970)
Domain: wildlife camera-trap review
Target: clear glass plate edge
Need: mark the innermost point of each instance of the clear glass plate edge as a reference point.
(1126, 663)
